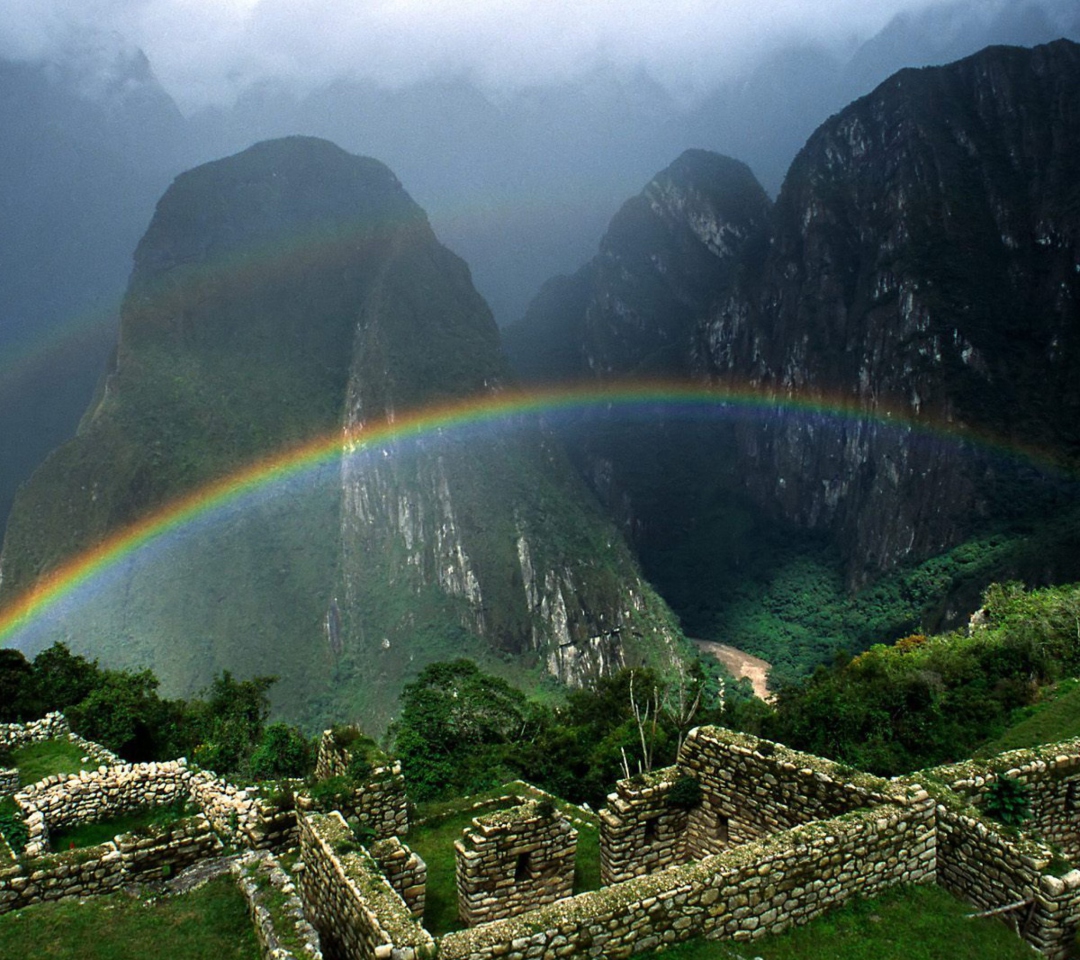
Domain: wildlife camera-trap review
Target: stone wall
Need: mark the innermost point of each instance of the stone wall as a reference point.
(742, 894)
(1052, 775)
(753, 788)
(154, 853)
(992, 867)
(75, 873)
(52, 726)
(750, 788)
(405, 871)
(9, 782)
(86, 797)
(158, 852)
(281, 928)
(355, 910)
(380, 801)
(248, 816)
(513, 861)
(640, 832)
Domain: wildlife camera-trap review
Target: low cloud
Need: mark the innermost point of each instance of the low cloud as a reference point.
(206, 51)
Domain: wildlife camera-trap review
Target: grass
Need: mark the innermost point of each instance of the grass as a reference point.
(909, 923)
(91, 834)
(47, 757)
(210, 923)
(1057, 718)
(434, 840)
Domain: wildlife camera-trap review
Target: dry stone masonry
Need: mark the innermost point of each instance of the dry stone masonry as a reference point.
(768, 838)
(513, 861)
(349, 901)
(380, 801)
(405, 871)
(281, 928)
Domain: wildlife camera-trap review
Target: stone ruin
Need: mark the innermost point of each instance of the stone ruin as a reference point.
(769, 838)
(513, 861)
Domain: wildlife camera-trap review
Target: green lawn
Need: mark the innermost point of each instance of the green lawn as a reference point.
(91, 834)
(39, 760)
(1058, 718)
(910, 923)
(434, 843)
(210, 923)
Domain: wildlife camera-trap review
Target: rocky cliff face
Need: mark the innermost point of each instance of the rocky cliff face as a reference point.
(923, 262)
(294, 291)
(920, 270)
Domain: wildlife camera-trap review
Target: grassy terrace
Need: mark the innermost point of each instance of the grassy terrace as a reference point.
(210, 923)
(91, 834)
(433, 840)
(39, 760)
(910, 923)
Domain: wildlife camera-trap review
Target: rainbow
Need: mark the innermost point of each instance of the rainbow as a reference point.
(649, 399)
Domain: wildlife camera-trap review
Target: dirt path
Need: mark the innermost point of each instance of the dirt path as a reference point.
(741, 664)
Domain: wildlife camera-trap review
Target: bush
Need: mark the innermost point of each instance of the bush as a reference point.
(283, 752)
(1007, 801)
(685, 794)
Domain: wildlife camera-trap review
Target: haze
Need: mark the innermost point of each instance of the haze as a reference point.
(207, 51)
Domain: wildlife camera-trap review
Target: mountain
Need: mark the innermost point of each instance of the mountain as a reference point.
(291, 292)
(922, 262)
(83, 157)
(917, 275)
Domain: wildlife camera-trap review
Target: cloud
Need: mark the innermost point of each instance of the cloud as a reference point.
(208, 50)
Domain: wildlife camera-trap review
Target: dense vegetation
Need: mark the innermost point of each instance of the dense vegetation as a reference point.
(928, 700)
(225, 729)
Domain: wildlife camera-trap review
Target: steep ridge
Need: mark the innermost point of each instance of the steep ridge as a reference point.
(295, 291)
(923, 261)
(919, 271)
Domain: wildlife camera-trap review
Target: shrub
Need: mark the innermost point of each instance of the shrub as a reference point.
(685, 793)
(12, 826)
(283, 752)
(1007, 801)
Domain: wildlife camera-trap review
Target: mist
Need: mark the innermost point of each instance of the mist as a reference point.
(207, 52)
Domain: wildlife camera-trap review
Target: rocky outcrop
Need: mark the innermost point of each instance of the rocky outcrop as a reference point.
(914, 291)
(923, 266)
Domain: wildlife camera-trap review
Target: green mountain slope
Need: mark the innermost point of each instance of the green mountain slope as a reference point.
(288, 293)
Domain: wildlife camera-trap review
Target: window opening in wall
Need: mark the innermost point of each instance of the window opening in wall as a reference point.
(1072, 797)
(721, 828)
(521, 870)
(650, 829)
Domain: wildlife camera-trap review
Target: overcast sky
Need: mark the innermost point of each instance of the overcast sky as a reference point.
(205, 50)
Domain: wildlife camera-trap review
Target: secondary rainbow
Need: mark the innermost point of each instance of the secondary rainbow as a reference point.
(672, 397)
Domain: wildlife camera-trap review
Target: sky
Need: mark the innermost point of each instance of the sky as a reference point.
(206, 51)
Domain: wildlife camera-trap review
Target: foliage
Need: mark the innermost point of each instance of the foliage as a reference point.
(332, 793)
(915, 704)
(685, 793)
(12, 825)
(283, 751)
(121, 709)
(230, 721)
(455, 728)
(1007, 800)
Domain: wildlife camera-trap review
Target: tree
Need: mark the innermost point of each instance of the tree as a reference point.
(454, 720)
(229, 722)
(17, 695)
